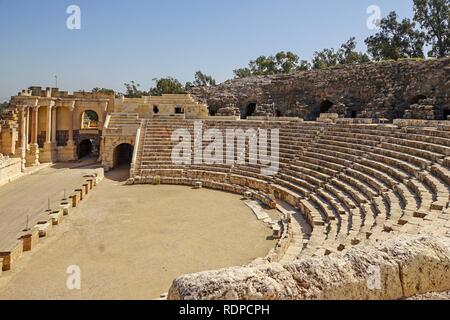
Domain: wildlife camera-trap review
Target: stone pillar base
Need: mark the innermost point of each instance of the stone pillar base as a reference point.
(21, 154)
(48, 154)
(32, 158)
(68, 153)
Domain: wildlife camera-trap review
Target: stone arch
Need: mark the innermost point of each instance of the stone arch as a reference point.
(89, 119)
(249, 109)
(446, 113)
(417, 98)
(325, 106)
(123, 154)
(85, 148)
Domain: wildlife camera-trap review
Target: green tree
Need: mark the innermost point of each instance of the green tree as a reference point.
(346, 54)
(167, 85)
(434, 16)
(242, 73)
(203, 80)
(281, 63)
(3, 106)
(102, 90)
(133, 91)
(396, 40)
(324, 59)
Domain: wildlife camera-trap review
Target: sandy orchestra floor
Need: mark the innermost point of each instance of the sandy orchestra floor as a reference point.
(130, 242)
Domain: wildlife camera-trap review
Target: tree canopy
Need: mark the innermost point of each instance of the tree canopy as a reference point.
(3, 106)
(434, 16)
(133, 91)
(167, 85)
(396, 40)
(280, 63)
(102, 90)
(346, 54)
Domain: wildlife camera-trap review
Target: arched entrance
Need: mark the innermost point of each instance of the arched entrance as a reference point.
(85, 148)
(416, 99)
(446, 113)
(249, 110)
(123, 155)
(89, 120)
(325, 106)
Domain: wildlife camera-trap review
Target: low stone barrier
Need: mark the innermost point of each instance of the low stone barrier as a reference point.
(394, 269)
(28, 239)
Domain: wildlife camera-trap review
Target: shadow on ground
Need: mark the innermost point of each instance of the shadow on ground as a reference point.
(120, 174)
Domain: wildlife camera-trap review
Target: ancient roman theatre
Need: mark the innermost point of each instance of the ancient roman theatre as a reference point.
(321, 184)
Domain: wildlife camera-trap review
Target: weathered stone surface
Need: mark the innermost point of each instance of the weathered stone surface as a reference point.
(375, 90)
(407, 266)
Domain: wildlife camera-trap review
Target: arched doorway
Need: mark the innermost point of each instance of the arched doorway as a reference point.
(85, 148)
(123, 155)
(249, 110)
(416, 99)
(446, 113)
(89, 120)
(325, 106)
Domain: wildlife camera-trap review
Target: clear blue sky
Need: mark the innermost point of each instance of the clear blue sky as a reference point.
(140, 40)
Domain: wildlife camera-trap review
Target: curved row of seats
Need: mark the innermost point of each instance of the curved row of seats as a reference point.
(352, 183)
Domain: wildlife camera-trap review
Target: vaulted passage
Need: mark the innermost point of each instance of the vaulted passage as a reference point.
(249, 110)
(85, 148)
(446, 114)
(325, 106)
(417, 99)
(123, 155)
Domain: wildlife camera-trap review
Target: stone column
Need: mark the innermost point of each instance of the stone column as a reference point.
(27, 126)
(53, 138)
(33, 153)
(71, 124)
(22, 147)
(47, 154)
(69, 152)
(48, 129)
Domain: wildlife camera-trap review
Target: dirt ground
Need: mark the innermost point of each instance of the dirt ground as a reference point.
(28, 196)
(130, 242)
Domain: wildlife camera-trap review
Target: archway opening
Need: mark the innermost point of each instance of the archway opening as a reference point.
(179, 110)
(85, 148)
(325, 106)
(417, 99)
(89, 120)
(278, 113)
(446, 114)
(123, 155)
(155, 109)
(249, 110)
(354, 114)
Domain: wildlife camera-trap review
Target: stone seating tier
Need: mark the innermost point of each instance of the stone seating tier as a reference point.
(351, 183)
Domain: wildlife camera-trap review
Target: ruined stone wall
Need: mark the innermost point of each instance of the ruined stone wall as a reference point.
(376, 90)
(394, 269)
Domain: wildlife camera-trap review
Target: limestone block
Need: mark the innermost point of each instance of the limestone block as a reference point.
(394, 269)
(30, 239)
(11, 256)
